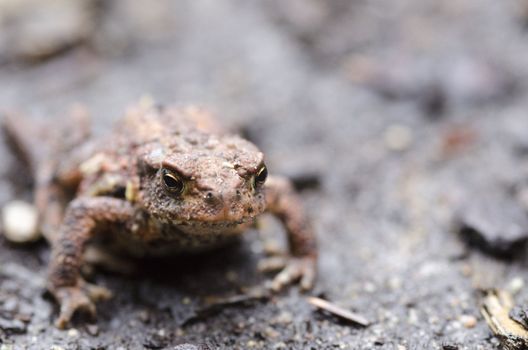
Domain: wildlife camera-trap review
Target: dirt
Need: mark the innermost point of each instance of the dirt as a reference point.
(392, 116)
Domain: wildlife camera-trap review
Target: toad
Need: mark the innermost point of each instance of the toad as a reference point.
(166, 180)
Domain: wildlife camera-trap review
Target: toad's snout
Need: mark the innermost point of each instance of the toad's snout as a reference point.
(224, 206)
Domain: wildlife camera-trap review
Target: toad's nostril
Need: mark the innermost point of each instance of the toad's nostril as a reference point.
(213, 198)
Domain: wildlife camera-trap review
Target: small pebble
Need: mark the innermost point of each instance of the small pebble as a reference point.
(516, 285)
(144, 316)
(20, 222)
(468, 321)
(395, 283)
(270, 333)
(369, 287)
(92, 329)
(73, 333)
(192, 347)
(179, 332)
(186, 347)
(398, 137)
(283, 318)
(413, 317)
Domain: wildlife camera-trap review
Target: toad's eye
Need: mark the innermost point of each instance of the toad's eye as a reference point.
(172, 182)
(261, 176)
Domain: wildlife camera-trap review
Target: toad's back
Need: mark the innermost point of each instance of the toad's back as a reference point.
(142, 124)
(103, 166)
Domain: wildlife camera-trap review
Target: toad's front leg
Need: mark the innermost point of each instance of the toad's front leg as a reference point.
(84, 217)
(283, 202)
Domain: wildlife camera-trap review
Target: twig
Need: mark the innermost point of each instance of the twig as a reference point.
(338, 311)
(496, 306)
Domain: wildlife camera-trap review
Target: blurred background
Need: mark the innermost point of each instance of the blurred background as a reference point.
(392, 117)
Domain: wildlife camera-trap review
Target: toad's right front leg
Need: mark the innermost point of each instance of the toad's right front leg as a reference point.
(85, 216)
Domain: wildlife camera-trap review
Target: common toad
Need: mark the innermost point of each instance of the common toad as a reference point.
(165, 180)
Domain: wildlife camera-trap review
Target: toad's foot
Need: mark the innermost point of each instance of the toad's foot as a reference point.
(294, 269)
(81, 297)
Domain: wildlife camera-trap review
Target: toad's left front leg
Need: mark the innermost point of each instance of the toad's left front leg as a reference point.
(283, 202)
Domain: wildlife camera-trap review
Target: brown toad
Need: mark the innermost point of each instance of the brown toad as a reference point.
(165, 180)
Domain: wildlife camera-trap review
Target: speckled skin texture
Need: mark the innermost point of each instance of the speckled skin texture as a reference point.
(164, 181)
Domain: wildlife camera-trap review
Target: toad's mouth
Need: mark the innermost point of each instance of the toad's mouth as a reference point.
(208, 223)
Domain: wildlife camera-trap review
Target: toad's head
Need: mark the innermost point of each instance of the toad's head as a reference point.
(202, 182)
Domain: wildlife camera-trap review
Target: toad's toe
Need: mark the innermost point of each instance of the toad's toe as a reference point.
(296, 269)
